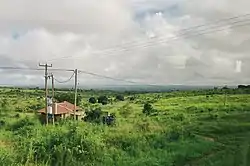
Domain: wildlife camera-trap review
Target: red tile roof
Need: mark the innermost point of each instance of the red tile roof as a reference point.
(63, 108)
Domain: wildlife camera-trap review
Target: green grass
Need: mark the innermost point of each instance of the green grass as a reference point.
(195, 130)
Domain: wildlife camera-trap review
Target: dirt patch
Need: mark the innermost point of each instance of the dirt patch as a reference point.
(4, 144)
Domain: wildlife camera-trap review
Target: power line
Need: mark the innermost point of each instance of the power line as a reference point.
(80, 71)
(118, 79)
(34, 69)
(20, 68)
(66, 81)
(152, 43)
(178, 36)
(103, 76)
(217, 21)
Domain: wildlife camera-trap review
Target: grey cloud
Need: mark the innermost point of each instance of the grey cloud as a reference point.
(81, 30)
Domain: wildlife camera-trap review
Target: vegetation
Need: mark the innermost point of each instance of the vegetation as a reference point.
(103, 100)
(92, 100)
(192, 128)
(119, 98)
(70, 97)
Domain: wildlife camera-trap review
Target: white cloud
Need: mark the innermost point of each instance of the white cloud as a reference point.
(135, 34)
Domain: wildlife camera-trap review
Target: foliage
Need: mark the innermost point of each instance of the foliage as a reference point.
(148, 109)
(125, 110)
(119, 98)
(94, 115)
(243, 86)
(191, 128)
(92, 100)
(103, 100)
(70, 97)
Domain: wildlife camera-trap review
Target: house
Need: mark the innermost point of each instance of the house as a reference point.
(61, 111)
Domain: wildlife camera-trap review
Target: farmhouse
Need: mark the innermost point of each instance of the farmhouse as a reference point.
(61, 111)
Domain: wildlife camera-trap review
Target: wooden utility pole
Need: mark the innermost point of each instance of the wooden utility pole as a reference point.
(53, 95)
(46, 89)
(76, 72)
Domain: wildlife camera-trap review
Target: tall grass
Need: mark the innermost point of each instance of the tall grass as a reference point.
(195, 130)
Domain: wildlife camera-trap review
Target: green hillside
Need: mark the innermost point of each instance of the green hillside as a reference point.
(192, 128)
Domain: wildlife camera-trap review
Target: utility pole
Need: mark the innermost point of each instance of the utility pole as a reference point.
(53, 86)
(76, 72)
(53, 95)
(46, 89)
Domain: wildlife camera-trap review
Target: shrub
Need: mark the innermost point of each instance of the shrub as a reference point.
(103, 100)
(175, 133)
(143, 126)
(24, 122)
(148, 109)
(17, 116)
(92, 100)
(57, 146)
(2, 123)
(119, 98)
(94, 115)
(70, 97)
(132, 98)
(6, 157)
(125, 110)
(178, 117)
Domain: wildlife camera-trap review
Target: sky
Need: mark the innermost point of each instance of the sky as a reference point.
(136, 40)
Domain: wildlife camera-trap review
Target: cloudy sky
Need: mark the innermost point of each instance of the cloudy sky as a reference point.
(138, 40)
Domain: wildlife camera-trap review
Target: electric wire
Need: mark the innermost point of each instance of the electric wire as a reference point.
(34, 69)
(80, 71)
(66, 81)
(107, 77)
(167, 40)
(118, 79)
(123, 80)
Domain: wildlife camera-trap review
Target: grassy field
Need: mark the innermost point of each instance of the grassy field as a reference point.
(192, 128)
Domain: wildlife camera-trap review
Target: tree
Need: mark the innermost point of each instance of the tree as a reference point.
(132, 98)
(225, 88)
(70, 97)
(148, 109)
(243, 86)
(119, 98)
(103, 100)
(94, 115)
(92, 100)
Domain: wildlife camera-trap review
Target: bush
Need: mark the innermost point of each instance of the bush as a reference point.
(132, 98)
(94, 115)
(2, 123)
(17, 116)
(57, 146)
(103, 100)
(70, 97)
(178, 117)
(148, 109)
(125, 110)
(6, 157)
(92, 100)
(175, 133)
(119, 98)
(24, 122)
